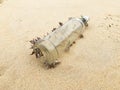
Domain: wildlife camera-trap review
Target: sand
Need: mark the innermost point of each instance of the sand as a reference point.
(93, 63)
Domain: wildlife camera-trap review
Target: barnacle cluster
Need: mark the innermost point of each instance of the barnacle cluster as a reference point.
(36, 51)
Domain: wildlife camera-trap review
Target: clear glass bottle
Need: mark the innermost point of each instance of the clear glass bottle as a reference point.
(52, 46)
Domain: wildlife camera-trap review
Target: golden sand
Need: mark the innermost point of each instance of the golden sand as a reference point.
(93, 63)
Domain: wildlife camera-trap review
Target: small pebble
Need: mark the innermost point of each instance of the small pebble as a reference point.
(74, 42)
(81, 36)
(109, 25)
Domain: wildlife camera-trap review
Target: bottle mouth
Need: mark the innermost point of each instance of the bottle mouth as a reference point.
(85, 19)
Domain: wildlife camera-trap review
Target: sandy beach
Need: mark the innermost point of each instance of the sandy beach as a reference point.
(93, 63)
